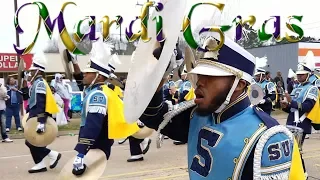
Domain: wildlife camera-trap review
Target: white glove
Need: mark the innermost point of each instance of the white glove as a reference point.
(78, 163)
(74, 58)
(140, 123)
(262, 101)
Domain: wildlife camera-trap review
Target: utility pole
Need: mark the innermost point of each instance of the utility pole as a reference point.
(18, 56)
(147, 9)
(17, 35)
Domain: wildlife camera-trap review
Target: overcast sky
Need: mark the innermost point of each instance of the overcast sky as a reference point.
(128, 10)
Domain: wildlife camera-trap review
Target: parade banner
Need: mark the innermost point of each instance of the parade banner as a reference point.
(238, 22)
(9, 61)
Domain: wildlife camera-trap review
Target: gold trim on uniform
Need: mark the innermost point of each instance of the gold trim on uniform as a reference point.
(241, 159)
(242, 97)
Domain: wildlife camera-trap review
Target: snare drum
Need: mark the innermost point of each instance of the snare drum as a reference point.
(297, 133)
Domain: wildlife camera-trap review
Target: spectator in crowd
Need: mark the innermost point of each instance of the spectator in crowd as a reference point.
(280, 91)
(25, 89)
(13, 104)
(63, 91)
(268, 76)
(60, 116)
(279, 78)
(3, 98)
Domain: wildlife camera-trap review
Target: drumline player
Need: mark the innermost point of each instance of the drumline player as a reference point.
(301, 101)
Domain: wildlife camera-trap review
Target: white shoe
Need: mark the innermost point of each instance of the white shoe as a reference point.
(7, 140)
(135, 158)
(19, 129)
(7, 130)
(145, 145)
(40, 128)
(40, 167)
(54, 157)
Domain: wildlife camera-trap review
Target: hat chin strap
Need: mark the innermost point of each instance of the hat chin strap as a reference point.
(35, 74)
(94, 80)
(227, 101)
(307, 79)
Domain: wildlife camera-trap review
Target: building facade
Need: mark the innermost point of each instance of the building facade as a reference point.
(9, 64)
(282, 57)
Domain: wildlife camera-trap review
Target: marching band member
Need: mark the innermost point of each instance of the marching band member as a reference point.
(222, 131)
(268, 88)
(93, 127)
(185, 87)
(138, 147)
(184, 90)
(171, 94)
(309, 61)
(169, 83)
(301, 101)
(100, 113)
(38, 106)
(291, 82)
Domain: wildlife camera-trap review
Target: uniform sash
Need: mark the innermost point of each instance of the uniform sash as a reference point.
(296, 169)
(118, 128)
(118, 91)
(313, 115)
(191, 95)
(51, 105)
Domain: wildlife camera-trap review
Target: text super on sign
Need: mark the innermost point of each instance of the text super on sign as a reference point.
(9, 61)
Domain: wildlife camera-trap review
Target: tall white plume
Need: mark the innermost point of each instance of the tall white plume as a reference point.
(218, 18)
(99, 53)
(40, 58)
(309, 60)
(261, 62)
(291, 74)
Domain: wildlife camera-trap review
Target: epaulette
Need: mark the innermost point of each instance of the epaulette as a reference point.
(273, 154)
(268, 120)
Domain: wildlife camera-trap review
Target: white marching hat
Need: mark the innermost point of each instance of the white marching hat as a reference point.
(307, 65)
(310, 61)
(260, 64)
(113, 61)
(303, 69)
(99, 57)
(39, 62)
(231, 59)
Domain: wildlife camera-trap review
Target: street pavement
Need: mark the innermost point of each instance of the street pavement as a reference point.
(169, 162)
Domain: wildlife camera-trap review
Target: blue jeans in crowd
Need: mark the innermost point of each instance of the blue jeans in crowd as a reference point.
(3, 126)
(13, 110)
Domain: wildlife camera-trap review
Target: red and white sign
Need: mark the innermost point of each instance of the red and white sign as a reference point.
(314, 47)
(9, 61)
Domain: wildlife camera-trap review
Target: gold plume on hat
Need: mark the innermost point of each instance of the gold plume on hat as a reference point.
(211, 43)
